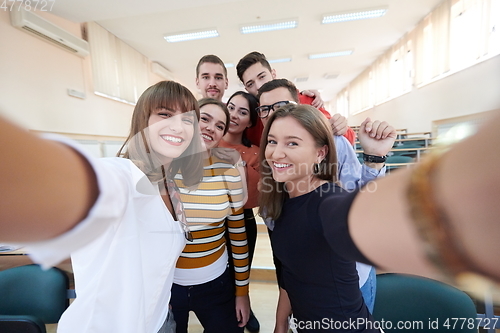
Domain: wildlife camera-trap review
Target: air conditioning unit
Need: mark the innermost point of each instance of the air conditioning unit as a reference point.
(40, 27)
(161, 71)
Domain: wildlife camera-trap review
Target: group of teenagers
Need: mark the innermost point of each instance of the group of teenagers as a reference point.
(167, 227)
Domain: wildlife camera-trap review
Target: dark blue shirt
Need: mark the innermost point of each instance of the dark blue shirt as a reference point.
(322, 285)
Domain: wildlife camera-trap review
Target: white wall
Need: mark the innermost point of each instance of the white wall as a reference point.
(35, 76)
(473, 90)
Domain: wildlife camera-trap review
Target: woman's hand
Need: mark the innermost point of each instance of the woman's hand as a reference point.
(283, 310)
(242, 310)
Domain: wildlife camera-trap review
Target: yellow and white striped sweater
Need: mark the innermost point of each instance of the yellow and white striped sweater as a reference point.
(216, 204)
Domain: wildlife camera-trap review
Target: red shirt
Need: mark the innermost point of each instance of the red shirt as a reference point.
(251, 156)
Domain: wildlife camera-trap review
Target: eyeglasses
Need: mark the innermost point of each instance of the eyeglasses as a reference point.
(263, 110)
(175, 197)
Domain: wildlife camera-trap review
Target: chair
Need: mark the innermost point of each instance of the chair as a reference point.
(398, 159)
(423, 305)
(31, 297)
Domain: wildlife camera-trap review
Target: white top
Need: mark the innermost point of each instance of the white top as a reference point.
(123, 254)
(200, 275)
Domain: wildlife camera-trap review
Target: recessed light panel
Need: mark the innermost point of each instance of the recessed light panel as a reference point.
(191, 35)
(330, 54)
(353, 15)
(269, 26)
(278, 60)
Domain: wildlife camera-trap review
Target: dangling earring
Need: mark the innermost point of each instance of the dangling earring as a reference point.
(316, 169)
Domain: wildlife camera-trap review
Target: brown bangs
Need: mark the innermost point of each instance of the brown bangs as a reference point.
(172, 96)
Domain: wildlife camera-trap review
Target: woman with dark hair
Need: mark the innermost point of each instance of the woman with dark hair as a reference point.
(242, 108)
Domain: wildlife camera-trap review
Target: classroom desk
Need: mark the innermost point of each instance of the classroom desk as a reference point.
(405, 135)
(419, 151)
(427, 141)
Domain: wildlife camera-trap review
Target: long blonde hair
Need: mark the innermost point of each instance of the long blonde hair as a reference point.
(169, 95)
(273, 194)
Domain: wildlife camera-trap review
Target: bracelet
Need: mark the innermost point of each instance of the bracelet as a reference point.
(374, 158)
(441, 244)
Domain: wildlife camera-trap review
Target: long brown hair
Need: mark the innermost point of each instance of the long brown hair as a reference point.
(170, 95)
(273, 194)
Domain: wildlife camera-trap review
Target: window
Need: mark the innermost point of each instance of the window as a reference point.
(119, 71)
(455, 35)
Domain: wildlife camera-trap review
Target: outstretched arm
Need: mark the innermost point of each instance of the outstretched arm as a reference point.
(465, 186)
(46, 187)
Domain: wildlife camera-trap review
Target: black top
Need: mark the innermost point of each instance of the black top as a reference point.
(322, 285)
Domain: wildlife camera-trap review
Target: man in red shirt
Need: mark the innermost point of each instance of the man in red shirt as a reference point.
(254, 70)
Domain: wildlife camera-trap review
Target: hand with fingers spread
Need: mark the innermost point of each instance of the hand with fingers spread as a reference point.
(338, 124)
(318, 101)
(376, 137)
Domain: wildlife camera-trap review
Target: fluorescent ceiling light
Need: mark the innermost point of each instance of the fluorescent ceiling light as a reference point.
(191, 35)
(229, 65)
(270, 26)
(277, 60)
(330, 76)
(354, 15)
(300, 79)
(330, 54)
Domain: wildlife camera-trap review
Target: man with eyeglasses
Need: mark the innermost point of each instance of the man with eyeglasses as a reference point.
(277, 93)
(254, 70)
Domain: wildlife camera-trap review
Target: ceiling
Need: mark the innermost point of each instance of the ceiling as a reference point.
(143, 25)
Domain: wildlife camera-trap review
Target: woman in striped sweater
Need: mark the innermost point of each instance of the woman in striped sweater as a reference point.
(203, 283)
